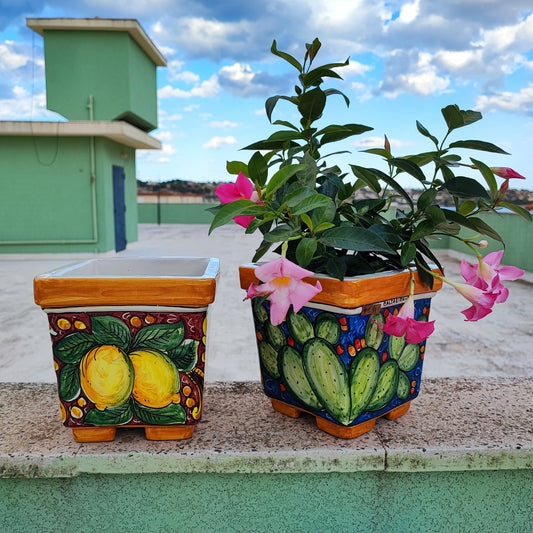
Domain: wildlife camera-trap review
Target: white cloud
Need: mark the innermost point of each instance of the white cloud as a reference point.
(518, 102)
(217, 142)
(21, 105)
(9, 59)
(157, 156)
(354, 68)
(175, 117)
(163, 135)
(409, 12)
(412, 74)
(377, 142)
(191, 107)
(223, 124)
(207, 89)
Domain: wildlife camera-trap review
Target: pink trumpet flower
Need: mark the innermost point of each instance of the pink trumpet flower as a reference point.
(242, 189)
(482, 301)
(404, 323)
(282, 283)
(507, 173)
(488, 275)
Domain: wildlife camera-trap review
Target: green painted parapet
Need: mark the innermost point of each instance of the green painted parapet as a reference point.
(516, 232)
(174, 213)
(460, 460)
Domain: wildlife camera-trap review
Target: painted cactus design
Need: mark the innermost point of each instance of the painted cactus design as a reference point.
(309, 362)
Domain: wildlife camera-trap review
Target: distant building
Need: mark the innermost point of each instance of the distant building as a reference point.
(71, 186)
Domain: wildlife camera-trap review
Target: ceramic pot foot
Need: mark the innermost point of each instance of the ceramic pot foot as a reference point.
(94, 434)
(168, 432)
(397, 412)
(337, 430)
(286, 409)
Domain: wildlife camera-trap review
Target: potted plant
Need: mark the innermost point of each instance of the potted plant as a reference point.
(342, 316)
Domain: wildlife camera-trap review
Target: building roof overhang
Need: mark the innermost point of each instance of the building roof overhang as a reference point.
(131, 26)
(118, 131)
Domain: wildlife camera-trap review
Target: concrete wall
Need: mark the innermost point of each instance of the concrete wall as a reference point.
(110, 66)
(47, 194)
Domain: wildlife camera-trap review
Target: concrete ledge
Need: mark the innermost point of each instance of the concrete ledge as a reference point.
(454, 425)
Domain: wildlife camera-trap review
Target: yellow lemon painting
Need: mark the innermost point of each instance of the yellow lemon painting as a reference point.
(157, 382)
(106, 375)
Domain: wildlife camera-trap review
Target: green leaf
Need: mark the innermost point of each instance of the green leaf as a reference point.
(354, 238)
(110, 330)
(314, 77)
(258, 169)
(453, 117)
(470, 116)
(184, 356)
(366, 177)
(69, 382)
(408, 166)
(434, 212)
(310, 203)
(305, 250)
(518, 210)
(261, 250)
(329, 92)
(279, 178)
(306, 219)
(228, 211)
(426, 133)
(296, 196)
(287, 57)
(463, 187)
(335, 133)
(312, 104)
(111, 416)
(467, 207)
(478, 145)
(473, 223)
(160, 337)
(488, 175)
(234, 167)
(171, 414)
(408, 253)
(71, 348)
(279, 234)
(426, 199)
(424, 228)
(287, 124)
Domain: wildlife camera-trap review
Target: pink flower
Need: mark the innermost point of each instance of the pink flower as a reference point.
(482, 301)
(506, 173)
(404, 323)
(282, 282)
(488, 275)
(242, 189)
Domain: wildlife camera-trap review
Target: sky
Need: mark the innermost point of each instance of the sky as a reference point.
(408, 59)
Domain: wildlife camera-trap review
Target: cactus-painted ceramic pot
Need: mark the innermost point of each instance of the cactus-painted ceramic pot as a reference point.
(332, 358)
(129, 343)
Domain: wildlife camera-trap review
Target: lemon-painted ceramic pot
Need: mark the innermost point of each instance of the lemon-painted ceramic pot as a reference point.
(129, 343)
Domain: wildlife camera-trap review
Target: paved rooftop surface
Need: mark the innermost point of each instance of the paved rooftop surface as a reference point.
(500, 345)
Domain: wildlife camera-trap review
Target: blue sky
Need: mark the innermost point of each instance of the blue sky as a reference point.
(408, 59)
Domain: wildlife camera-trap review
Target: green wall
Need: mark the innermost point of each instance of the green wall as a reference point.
(428, 502)
(110, 66)
(516, 232)
(175, 213)
(46, 191)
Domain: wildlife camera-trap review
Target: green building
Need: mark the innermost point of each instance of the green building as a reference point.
(71, 186)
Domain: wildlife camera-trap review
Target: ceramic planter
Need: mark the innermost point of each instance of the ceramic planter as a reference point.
(129, 343)
(332, 358)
